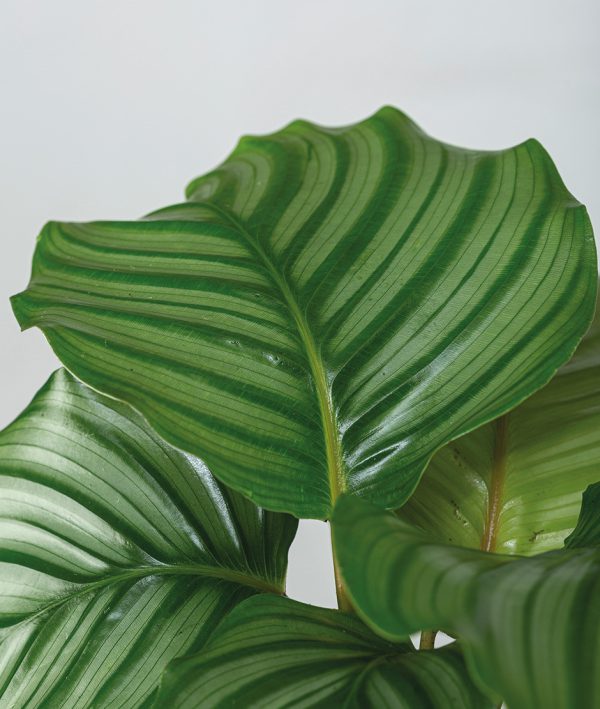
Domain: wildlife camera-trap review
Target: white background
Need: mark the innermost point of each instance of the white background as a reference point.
(108, 108)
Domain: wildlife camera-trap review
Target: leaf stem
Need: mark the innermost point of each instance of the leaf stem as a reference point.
(427, 641)
(340, 590)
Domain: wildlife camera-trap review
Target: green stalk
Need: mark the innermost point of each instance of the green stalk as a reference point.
(427, 640)
(343, 601)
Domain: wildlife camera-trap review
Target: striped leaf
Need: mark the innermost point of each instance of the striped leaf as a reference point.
(274, 652)
(329, 308)
(117, 553)
(529, 626)
(514, 486)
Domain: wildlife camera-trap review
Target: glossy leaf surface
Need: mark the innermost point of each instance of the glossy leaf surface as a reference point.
(329, 308)
(515, 485)
(529, 626)
(117, 552)
(274, 652)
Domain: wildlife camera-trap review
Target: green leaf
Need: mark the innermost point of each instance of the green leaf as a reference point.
(117, 552)
(514, 486)
(587, 531)
(274, 652)
(529, 626)
(330, 308)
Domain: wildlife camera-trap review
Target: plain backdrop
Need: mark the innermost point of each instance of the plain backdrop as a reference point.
(108, 108)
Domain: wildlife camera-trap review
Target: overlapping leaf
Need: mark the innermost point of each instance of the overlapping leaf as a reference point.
(273, 652)
(529, 626)
(331, 306)
(117, 553)
(515, 485)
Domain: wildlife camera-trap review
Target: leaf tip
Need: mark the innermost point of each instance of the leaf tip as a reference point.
(21, 310)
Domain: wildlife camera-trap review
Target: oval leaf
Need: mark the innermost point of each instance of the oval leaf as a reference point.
(514, 486)
(274, 652)
(529, 626)
(331, 306)
(117, 552)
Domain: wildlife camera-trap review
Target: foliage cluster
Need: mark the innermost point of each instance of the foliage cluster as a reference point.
(361, 325)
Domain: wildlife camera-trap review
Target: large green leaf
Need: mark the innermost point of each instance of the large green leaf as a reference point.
(331, 306)
(515, 485)
(273, 652)
(117, 552)
(529, 626)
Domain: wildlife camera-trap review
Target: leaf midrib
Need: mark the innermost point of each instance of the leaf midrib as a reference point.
(496, 486)
(335, 469)
(218, 573)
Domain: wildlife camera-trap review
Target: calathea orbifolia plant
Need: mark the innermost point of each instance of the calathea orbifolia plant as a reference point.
(361, 325)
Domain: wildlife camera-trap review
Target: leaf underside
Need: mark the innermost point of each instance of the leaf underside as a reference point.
(274, 652)
(329, 308)
(514, 486)
(529, 626)
(117, 552)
